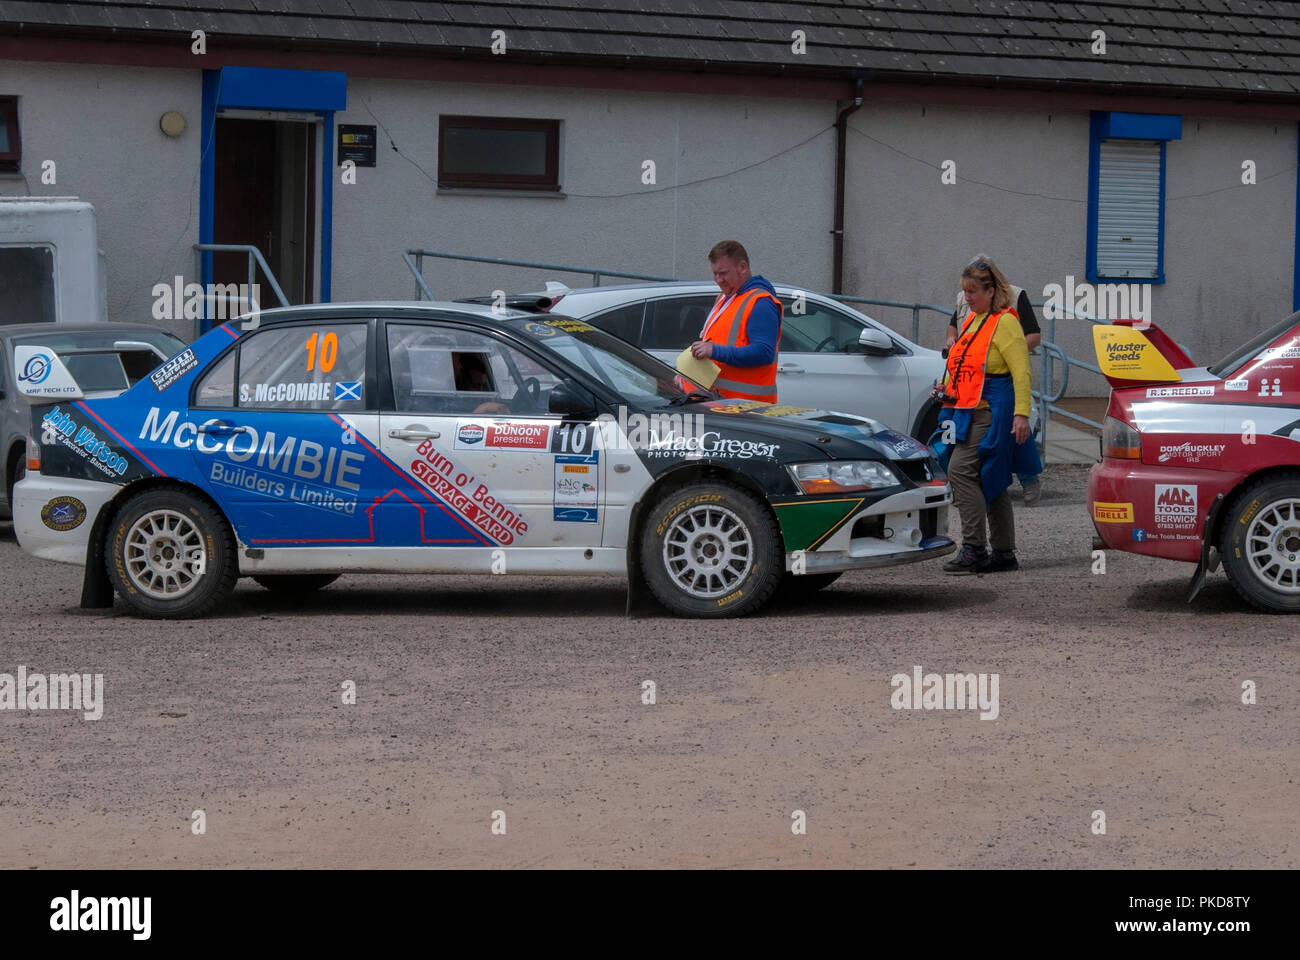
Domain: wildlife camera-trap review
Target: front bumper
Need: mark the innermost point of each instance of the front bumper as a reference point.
(827, 535)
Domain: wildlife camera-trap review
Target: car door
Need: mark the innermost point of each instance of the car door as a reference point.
(821, 364)
(469, 423)
(277, 433)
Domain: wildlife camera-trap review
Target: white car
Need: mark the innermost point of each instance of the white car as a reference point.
(831, 356)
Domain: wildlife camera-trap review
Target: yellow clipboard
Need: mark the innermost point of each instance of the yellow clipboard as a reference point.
(702, 370)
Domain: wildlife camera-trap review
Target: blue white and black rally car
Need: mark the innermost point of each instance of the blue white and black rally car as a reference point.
(353, 438)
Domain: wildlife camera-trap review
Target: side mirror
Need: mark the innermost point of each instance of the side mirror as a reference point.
(874, 343)
(40, 375)
(570, 400)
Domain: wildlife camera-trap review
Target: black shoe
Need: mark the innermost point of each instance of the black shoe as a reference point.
(968, 560)
(999, 561)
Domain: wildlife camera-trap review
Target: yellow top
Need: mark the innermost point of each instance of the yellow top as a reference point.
(1008, 353)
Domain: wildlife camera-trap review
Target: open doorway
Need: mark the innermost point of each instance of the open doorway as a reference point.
(265, 195)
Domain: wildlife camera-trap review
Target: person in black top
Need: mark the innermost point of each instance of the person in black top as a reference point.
(1027, 462)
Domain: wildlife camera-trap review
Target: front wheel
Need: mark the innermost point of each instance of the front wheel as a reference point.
(170, 555)
(1261, 544)
(711, 550)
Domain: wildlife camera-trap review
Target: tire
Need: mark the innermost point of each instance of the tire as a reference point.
(170, 555)
(792, 588)
(1260, 545)
(928, 422)
(296, 582)
(720, 538)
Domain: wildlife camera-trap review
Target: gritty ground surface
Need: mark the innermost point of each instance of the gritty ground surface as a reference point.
(525, 696)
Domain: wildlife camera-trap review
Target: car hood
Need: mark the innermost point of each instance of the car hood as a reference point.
(799, 433)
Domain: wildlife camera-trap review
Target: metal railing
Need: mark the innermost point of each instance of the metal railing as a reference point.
(1051, 354)
(255, 260)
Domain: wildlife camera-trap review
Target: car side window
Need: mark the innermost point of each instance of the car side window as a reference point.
(819, 329)
(217, 387)
(312, 367)
(623, 322)
(675, 323)
(445, 370)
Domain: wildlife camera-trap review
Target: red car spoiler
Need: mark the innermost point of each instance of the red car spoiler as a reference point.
(1144, 355)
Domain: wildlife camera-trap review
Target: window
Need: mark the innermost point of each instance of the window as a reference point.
(316, 367)
(623, 322)
(442, 370)
(217, 388)
(676, 323)
(505, 153)
(819, 329)
(1126, 195)
(11, 144)
(27, 284)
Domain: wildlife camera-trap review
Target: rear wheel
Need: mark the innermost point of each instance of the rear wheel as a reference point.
(295, 582)
(711, 550)
(1261, 544)
(170, 555)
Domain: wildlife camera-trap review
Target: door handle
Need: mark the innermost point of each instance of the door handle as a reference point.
(790, 368)
(414, 433)
(221, 429)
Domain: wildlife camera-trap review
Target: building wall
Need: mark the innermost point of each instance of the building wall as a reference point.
(781, 210)
(99, 124)
(1021, 196)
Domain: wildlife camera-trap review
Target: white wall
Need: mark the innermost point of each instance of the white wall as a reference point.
(780, 210)
(99, 124)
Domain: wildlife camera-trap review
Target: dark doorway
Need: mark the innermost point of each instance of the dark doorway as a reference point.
(265, 195)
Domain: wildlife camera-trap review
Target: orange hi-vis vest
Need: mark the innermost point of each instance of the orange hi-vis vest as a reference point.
(731, 328)
(967, 358)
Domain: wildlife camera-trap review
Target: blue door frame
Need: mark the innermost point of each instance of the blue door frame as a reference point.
(321, 92)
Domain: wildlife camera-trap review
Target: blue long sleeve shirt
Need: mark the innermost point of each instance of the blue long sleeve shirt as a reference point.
(763, 329)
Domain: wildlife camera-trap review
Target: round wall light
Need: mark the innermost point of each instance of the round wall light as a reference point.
(172, 123)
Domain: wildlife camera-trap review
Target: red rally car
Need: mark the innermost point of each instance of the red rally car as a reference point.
(1202, 464)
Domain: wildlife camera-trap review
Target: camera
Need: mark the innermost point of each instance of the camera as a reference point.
(943, 396)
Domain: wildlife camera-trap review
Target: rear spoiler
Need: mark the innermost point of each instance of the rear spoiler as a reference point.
(1131, 353)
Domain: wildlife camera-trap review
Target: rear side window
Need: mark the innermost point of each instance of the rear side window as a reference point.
(819, 329)
(676, 323)
(316, 367)
(623, 322)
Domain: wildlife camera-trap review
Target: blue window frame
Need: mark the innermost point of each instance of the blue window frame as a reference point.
(1126, 195)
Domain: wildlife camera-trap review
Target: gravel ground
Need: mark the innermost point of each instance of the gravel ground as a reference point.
(525, 696)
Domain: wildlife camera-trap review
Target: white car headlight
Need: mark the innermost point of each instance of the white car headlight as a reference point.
(842, 476)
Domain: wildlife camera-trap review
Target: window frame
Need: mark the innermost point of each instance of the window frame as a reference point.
(1107, 125)
(11, 160)
(548, 181)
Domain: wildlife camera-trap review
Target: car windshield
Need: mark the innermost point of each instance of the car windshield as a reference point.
(632, 373)
(1252, 346)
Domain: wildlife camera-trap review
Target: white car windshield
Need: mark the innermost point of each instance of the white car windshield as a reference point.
(632, 373)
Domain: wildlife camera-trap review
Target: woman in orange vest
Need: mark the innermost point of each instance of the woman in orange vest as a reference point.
(987, 400)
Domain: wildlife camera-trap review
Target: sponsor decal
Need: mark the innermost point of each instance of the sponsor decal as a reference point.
(510, 435)
(312, 392)
(462, 491)
(1112, 512)
(40, 374)
(1284, 351)
(36, 370)
(540, 329)
(899, 445)
(1191, 452)
(576, 496)
(1175, 505)
(173, 369)
(1166, 393)
(470, 434)
(1139, 535)
(348, 390)
(1126, 354)
(63, 514)
(710, 444)
(58, 427)
(1236, 385)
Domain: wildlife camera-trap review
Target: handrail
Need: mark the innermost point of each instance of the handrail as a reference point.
(255, 260)
(1051, 352)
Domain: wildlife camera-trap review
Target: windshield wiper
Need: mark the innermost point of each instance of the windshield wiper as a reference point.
(695, 396)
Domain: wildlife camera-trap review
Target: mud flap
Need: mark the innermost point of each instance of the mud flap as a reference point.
(640, 601)
(96, 588)
(1209, 561)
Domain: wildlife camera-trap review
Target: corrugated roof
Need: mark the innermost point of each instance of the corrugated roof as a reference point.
(1198, 45)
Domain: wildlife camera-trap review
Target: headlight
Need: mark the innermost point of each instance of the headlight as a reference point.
(842, 476)
(1120, 441)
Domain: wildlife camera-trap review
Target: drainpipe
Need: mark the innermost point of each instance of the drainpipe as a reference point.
(841, 142)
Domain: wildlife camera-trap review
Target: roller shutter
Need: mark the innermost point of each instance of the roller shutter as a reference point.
(1128, 209)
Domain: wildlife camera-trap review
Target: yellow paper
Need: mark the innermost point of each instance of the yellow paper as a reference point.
(700, 369)
(1126, 354)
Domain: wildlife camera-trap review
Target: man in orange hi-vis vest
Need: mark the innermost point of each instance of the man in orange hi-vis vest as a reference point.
(743, 329)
